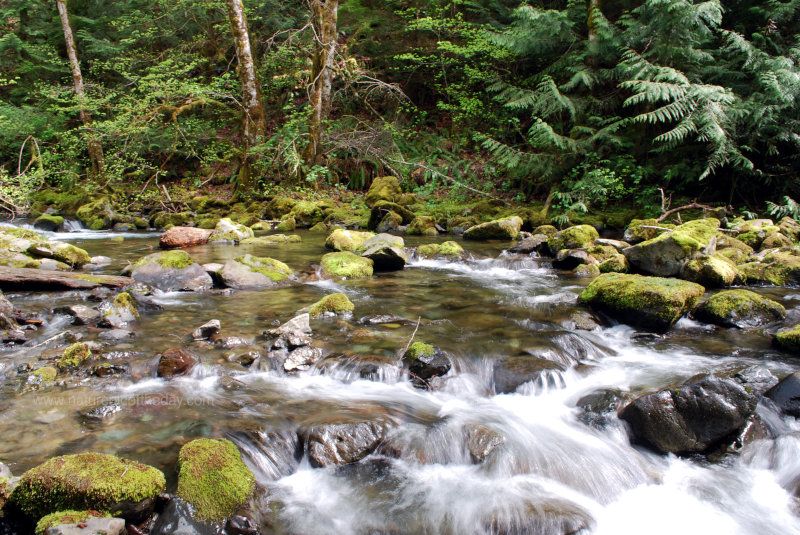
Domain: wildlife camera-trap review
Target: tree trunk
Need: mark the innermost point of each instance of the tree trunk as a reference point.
(94, 147)
(591, 23)
(255, 122)
(324, 19)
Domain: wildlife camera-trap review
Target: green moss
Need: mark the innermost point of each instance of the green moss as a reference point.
(715, 271)
(71, 255)
(346, 265)
(176, 259)
(278, 207)
(420, 349)
(66, 517)
(19, 263)
(500, 229)
(125, 301)
(694, 235)
(213, 478)
(96, 215)
(288, 224)
(789, 338)
(273, 269)
(381, 209)
(577, 237)
(74, 356)
(208, 222)
(641, 230)
(167, 220)
(46, 374)
(85, 481)
(346, 240)
(22, 233)
(448, 249)
(587, 270)
(422, 226)
(451, 248)
(55, 220)
(309, 213)
(385, 188)
(732, 308)
(335, 303)
(779, 269)
(272, 239)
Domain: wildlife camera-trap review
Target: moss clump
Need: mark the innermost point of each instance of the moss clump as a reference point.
(422, 226)
(587, 270)
(278, 207)
(448, 249)
(651, 302)
(273, 269)
(309, 213)
(175, 259)
(420, 349)
(213, 478)
(23, 233)
(779, 269)
(616, 263)
(577, 237)
(66, 517)
(166, 220)
(714, 271)
(346, 265)
(386, 188)
(126, 302)
(500, 229)
(74, 356)
(85, 481)
(288, 224)
(48, 221)
(739, 308)
(46, 374)
(96, 215)
(789, 338)
(71, 255)
(645, 229)
(346, 240)
(272, 239)
(334, 303)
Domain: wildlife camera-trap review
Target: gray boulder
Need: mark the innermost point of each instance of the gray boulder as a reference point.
(387, 252)
(171, 271)
(666, 254)
(339, 444)
(251, 272)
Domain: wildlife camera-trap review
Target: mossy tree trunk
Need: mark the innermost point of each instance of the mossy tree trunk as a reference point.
(254, 121)
(324, 21)
(95, 149)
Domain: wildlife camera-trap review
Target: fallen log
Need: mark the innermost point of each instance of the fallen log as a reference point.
(41, 279)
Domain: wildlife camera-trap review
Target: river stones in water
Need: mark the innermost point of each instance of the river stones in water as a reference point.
(665, 255)
(89, 481)
(714, 271)
(572, 258)
(253, 272)
(119, 312)
(786, 395)
(207, 330)
(510, 373)
(61, 252)
(330, 305)
(499, 229)
(577, 237)
(597, 408)
(346, 265)
(171, 271)
(692, 417)
(387, 252)
(346, 240)
(448, 250)
(81, 314)
(482, 441)
(179, 237)
(788, 338)
(739, 308)
(228, 231)
(385, 188)
(640, 230)
(650, 302)
(174, 362)
(177, 519)
(425, 362)
(273, 454)
(756, 379)
(338, 444)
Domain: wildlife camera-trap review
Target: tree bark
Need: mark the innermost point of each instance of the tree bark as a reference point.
(324, 20)
(254, 121)
(94, 147)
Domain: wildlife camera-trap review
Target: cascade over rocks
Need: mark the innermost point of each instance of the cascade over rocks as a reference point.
(174, 362)
(171, 271)
(509, 373)
(666, 254)
(425, 362)
(339, 444)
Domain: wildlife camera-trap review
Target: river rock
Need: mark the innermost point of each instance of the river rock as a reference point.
(385, 188)
(228, 231)
(61, 252)
(90, 481)
(788, 338)
(422, 226)
(666, 254)
(756, 379)
(338, 444)
(171, 271)
(448, 250)
(346, 240)
(48, 222)
(619, 245)
(577, 237)
(786, 394)
(207, 330)
(778, 268)
(509, 373)
(6, 308)
(117, 335)
(692, 417)
(331, 305)
(536, 243)
(789, 228)
(424, 362)
(178, 237)
(383, 210)
(739, 308)
(272, 239)
(387, 252)
(640, 230)
(599, 407)
(174, 362)
(572, 258)
(302, 359)
(715, 271)
(482, 441)
(119, 312)
(346, 265)
(650, 302)
(251, 272)
(499, 229)
(69, 523)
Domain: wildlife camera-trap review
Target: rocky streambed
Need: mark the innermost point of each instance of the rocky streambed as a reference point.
(347, 382)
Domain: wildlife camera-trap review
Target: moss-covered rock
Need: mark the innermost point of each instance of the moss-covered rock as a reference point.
(715, 271)
(778, 268)
(616, 263)
(97, 215)
(385, 188)
(387, 252)
(499, 229)
(171, 271)
(665, 255)
(66, 517)
(640, 230)
(346, 240)
(755, 231)
(228, 231)
(577, 237)
(46, 374)
(789, 228)
(346, 265)
(86, 481)
(277, 207)
(775, 240)
(272, 239)
(422, 226)
(650, 302)
(308, 213)
(739, 308)
(70, 255)
(213, 478)
(287, 224)
(383, 208)
(167, 220)
(788, 338)
(448, 249)
(331, 304)
(74, 356)
(48, 222)
(251, 272)
(119, 312)
(587, 270)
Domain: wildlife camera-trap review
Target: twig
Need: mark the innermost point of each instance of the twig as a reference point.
(690, 206)
(59, 335)
(419, 318)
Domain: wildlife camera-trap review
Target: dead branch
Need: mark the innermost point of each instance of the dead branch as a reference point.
(690, 206)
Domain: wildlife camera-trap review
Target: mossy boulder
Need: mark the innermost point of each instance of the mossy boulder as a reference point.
(587, 270)
(755, 231)
(346, 265)
(73, 356)
(97, 215)
(272, 240)
(251, 272)
(616, 263)
(167, 220)
(391, 222)
(640, 230)
(228, 231)
(86, 481)
(775, 240)
(48, 222)
(213, 478)
(171, 271)
(650, 302)
(725, 241)
(346, 240)
(277, 207)
(44, 375)
(386, 188)
(383, 208)
(308, 213)
(577, 237)
(387, 252)
(424, 362)
(60, 252)
(287, 224)
(739, 308)
(789, 228)
(499, 229)
(422, 226)
(331, 304)
(665, 255)
(788, 338)
(69, 517)
(715, 271)
(449, 250)
(119, 312)
(777, 268)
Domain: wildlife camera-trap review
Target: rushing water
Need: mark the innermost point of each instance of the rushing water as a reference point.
(553, 473)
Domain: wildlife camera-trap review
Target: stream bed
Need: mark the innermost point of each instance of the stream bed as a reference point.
(548, 464)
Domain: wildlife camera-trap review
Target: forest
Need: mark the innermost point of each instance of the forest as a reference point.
(569, 104)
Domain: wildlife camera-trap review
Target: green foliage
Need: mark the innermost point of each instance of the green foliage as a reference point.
(788, 207)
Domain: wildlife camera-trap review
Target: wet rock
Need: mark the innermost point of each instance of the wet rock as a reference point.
(500, 229)
(482, 441)
(252, 272)
(89, 481)
(577, 237)
(714, 271)
(754, 429)
(339, 444)
(775, 267)
(177, 519)
(756, 379)
(448, 250)
(41, 377)
(108, 369)
(572, 258)
(207, 330)
(383, 211)
(391, 222)
(48, 223)
(739, 308)
(510, 373)
(692, 417)
(789, 228)
(616, 244)
(82, 315)
(534, 244)
(665, 255)
(788, 338)
(228, 231)
(61, 252)
(213, 478)
(424, 362)
(598, 408)
(74, 356)
(346, 265)
(179, 237)
(272, 239)
(786, 394)
(640, 230)
(385, 188)
(80, 523)
(422, 226)
(230, 342)
(103, 412)
(298, 326)
(330, 305)
(650, 302)
(386, 252)
(583, 321)
(174, 362)
(117, 335)
(346, 240)
(302, 359)
(118, 313)
(171, 271)
(6, 308)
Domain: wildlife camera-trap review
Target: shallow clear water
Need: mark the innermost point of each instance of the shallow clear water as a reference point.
(552, 474)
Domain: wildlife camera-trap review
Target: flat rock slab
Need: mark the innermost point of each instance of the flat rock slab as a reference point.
(37, 279)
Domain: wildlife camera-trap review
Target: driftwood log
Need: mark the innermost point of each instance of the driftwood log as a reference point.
(41, 279)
